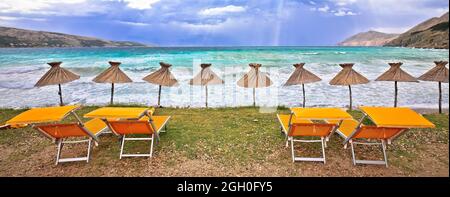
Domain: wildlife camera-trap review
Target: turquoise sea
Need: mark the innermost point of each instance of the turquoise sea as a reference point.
(21, 68)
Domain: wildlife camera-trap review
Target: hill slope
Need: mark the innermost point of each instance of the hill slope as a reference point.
(370, 38)
(13, 37)
(433, 33)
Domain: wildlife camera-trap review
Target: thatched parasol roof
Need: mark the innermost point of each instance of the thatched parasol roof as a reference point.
(348, 76)
(439, 73)
(395, 73)
(112, 75)
(206, 77)
(56, 75)
(255, 78)
(162, 76)
(301, 76)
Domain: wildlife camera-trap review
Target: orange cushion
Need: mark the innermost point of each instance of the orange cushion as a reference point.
(141, 126)
(62, 130)
(311, 129)
(373, 132)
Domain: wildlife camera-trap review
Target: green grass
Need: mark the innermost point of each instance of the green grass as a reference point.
(229, 138)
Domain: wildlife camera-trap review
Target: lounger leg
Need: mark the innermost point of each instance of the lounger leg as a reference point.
(353, 153)
(320, 159)
(61, 143)
(151, 145)
(152, 139)
(370, 162)
(287, 141)
(121, 147)
(58, 154)
(323, 149)
(89, 150)
(383, 147)
(292, 149)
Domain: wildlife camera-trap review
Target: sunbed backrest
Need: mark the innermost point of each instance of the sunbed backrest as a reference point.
(122, 127)
(373, 132)
(311, 129)
(58, 131)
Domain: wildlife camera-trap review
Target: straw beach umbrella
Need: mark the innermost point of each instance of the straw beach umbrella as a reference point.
(440, 74)
(396, 74)
(112, 75)
(348, 77)
(57, 76)
(205, 78)
(162, 77)
(301, 76)
(255, 79)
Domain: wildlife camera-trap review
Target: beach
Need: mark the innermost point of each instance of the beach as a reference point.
(20, 69)
(224, 142)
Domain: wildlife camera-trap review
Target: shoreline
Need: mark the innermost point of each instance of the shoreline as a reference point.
(421, 110)
(156, 47)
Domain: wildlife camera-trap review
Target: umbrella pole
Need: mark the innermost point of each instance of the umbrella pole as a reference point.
(396, 93)
(440, 97)
(304, 97)
(254, 99)
(112, 93)
(350, 93)
(60, 95)
(206, 88)
(159, 96)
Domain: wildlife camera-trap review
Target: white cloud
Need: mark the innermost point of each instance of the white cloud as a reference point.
(11, 18)
(393, 30)
(133, 23)
(337, 8)
(47, 8)
(141, 4)
(342, 12)
(326, 8)
(30, 6)
(343, 2)
(222, 10)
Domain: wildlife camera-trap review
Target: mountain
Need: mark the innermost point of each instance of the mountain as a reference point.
(433, 33)
(370, 38)
(13, 37)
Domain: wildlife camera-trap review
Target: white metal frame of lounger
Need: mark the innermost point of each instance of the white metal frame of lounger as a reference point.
(155, 136)
(6, 126)
(323, 140)
(383, 145)
(60, 145)
(60, 142)
(319, 159)
(370, 162)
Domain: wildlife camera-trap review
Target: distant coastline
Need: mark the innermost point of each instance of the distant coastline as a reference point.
(21, 38)
(432, 34)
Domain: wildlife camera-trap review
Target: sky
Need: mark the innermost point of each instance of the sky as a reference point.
(220, 23)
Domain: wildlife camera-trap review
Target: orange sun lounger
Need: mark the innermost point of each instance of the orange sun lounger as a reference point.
(47, 121)
(150, 126)
(297, 128)
(61, 133)
(389, 124)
